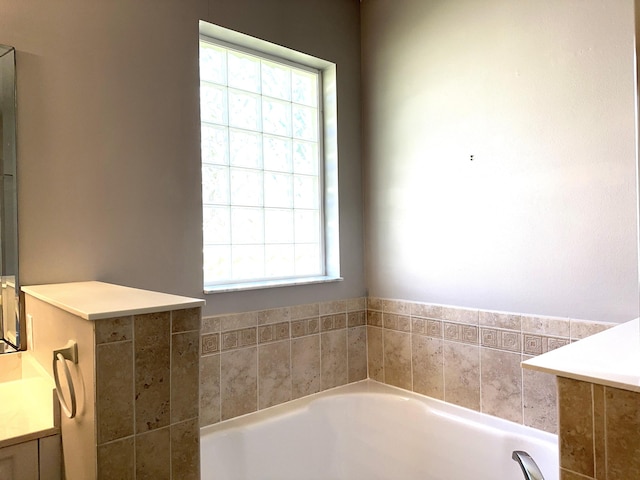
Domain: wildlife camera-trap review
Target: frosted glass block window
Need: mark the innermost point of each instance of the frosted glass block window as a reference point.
(262, 185)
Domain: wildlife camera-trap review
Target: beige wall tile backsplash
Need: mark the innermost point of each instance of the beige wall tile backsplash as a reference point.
(147, 396)
(599, 431)
(470, 357)
(255, 360)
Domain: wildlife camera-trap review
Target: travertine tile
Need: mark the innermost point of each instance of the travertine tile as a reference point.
(153, 455)
(274, 315)
(599, 432)
(335, 306)
(531, 344)
(357, 353)
(210, 343)
(396, 306)
(582, 329)
(305, 366)
(397, 358)
(510, 340)
(151, 329)
(246, 337)
(210, 325)
(427, 359)
(116, 460)
(209, 390)
(489, 337)
(374, 318)
(274, 374)
(398, 322)
(506, 321)
(460, 315)
(114, 330)
(184, 376)
(419, 325)
(238, 382)
(375, 356)
(326, 323)
(185, 450)
(433, 328)
(114, 391)
(425, 310)
(501, 384)
(462, 374)
(540, 406)
(298, 328)
(460, 332)
(356, 304)
(229, 340)
(356, 319)
(266, 333)
(333, 358)
(552, 343)
(623, 434)
(313, 326)
(575, 426)
(552, 326)
(374, 303)
(185, 320)
(152, 371)
(238, 321)
(339, 320)
(304, 311)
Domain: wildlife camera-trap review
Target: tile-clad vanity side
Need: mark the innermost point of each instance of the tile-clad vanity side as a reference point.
(470, 357)
(147, 396)
(599, 431)
(254, 360)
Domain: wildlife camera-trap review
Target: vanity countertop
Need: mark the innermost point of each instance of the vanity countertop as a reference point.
(98, 300)
(26, 410)
(610, 358)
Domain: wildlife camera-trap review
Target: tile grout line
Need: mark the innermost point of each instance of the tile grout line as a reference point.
(133, 392)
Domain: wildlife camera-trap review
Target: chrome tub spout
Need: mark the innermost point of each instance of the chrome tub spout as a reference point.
(528, 465)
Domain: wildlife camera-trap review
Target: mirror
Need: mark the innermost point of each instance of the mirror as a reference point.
(10, 331)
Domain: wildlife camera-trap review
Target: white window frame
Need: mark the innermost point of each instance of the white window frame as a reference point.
(328, 151)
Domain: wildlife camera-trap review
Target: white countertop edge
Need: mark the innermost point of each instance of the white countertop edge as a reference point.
(599, 379)
(610, 358)
(99, 300)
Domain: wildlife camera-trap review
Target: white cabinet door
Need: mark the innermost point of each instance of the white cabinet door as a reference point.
(50, 453)
(19, 462)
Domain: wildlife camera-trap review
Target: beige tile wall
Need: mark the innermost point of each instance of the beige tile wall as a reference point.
(255, 360)
(470, 357)
(147, 396)
(599, 431)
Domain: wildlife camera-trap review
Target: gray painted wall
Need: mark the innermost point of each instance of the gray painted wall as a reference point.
(541, 93)
(108, 137)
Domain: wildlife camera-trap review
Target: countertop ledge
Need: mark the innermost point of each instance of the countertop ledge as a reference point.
(99, 300)
(610, 358)
(26, 411)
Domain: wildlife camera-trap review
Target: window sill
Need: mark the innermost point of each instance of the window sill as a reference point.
(290, 282)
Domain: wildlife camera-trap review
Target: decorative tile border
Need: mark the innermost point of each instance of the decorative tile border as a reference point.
(417, 344)
(470, 357)
(526, 334)
(210, 343)
(254, 360)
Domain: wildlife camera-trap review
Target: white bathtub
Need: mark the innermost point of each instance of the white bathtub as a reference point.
(367, 431)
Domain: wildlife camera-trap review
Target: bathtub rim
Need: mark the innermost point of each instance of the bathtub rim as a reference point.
(375, 387)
